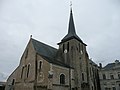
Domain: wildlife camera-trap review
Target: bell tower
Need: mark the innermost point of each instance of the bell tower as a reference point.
(74, 54)
(71, 43)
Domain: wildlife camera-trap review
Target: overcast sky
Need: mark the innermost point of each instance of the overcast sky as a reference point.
(97, 23)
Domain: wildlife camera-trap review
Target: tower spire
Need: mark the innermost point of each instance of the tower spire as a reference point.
(71, 29)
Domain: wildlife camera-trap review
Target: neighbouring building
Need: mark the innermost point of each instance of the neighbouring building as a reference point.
(94, 75)
(2, 85)
(43, 67)
(110, 76)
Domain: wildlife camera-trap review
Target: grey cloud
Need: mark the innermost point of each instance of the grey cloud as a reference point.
(97, 23)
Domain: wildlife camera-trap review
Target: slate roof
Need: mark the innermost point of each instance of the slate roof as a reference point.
(47, 52)
(43, 49)
(111, 66)
(91, 62)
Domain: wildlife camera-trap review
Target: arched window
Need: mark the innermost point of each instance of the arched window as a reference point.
(28, 69)
(104, 76)
(40, 65)
(62, 79)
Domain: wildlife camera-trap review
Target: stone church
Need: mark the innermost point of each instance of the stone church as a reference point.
(43, 67)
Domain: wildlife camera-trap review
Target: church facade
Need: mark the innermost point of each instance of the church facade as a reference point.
(43, 67)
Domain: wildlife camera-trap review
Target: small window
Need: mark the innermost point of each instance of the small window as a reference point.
(73, 88)
(71, 48)
(106, 88)
(83, 76)
(104, 76)
(79, 47)
(62, 79)
(119, 76)
(91, 71)
(119, 85)
(28, 69)
(92, 88)
(40, 65)
(113, 88)
(68, 46)
(82, 48)
(22, 71)
(13, 81)
(111, 77)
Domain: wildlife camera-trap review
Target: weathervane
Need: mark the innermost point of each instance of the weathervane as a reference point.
(30, 36)
(70, 4)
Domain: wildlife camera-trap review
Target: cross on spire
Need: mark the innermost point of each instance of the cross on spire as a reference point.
(71, 6)
(71, 29)
(70, 3)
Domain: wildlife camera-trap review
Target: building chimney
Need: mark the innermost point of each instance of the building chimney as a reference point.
(100, 65)
(116, 61)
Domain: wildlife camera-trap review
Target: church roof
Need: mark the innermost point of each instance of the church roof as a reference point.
(47, 52)
(44, 49)
(111, 66)
(93, 63)
(71, 31)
